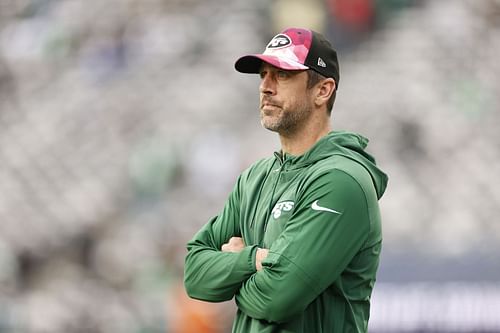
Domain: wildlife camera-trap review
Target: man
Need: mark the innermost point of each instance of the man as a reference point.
(297, 243)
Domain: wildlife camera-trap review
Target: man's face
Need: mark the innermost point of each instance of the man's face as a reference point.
(285, 101)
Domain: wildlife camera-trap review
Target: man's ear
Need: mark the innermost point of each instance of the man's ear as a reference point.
(324, 91)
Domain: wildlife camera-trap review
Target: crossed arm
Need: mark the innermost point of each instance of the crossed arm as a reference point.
(236, 244)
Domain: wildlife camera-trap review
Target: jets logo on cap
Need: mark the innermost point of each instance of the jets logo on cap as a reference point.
(278, 41)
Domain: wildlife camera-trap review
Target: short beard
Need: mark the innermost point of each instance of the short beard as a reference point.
(288, 121)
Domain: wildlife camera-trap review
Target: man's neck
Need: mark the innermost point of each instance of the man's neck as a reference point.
(298, 142)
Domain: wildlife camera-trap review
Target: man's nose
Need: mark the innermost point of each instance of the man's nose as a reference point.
(267, 85)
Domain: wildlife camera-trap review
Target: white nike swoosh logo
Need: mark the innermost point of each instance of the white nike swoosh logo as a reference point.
(315, 206)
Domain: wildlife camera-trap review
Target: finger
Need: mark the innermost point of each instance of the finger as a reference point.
(235, 240)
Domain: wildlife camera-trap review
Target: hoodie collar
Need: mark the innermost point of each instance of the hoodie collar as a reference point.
(348, 144)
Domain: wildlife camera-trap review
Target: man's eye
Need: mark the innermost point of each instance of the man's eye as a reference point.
(282, 74)
(262, 74)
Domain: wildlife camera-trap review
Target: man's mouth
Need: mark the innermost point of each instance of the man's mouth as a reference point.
(268, 105)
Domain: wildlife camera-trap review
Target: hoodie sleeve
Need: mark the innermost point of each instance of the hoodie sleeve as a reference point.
(210, 274)
(327, 229)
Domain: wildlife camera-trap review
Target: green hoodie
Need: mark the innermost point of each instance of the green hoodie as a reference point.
(319, 217)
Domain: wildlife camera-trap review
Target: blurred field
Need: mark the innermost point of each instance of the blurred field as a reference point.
(123, 126)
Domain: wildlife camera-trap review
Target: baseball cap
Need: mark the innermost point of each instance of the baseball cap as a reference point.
(295, 49)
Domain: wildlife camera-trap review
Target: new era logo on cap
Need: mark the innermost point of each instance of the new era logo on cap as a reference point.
(295, 49)
(321, 62)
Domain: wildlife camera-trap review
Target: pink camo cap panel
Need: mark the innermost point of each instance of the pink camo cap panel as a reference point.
(287, 50)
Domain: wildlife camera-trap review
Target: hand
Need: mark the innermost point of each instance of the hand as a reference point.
(235, 244)
(260, 255)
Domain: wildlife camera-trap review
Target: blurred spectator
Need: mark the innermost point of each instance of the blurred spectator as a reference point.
(350, 21)
(189, 316)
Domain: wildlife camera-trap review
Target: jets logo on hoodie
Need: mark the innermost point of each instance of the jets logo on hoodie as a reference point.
(280, 207)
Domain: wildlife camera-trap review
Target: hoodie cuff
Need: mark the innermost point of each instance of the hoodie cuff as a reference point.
(246, 260)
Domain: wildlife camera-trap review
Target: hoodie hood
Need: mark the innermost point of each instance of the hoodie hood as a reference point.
(349, 145)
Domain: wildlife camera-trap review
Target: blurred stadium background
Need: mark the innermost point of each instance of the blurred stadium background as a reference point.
(123, 127)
